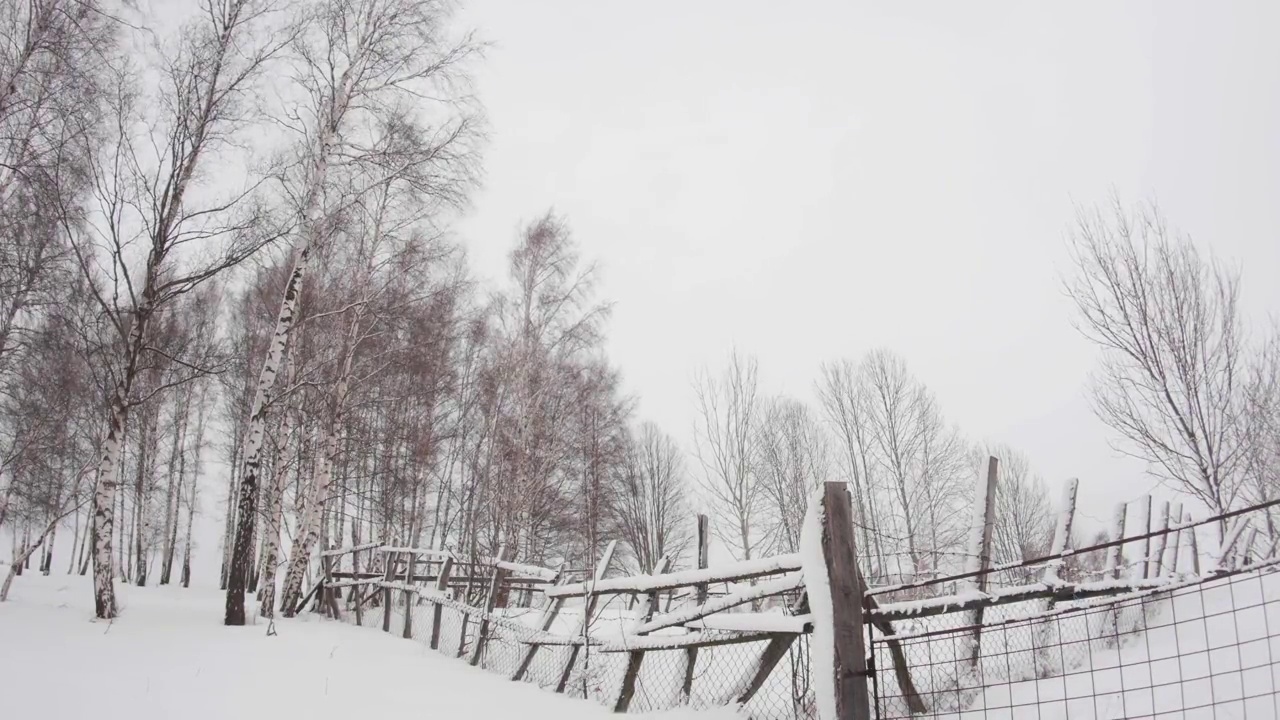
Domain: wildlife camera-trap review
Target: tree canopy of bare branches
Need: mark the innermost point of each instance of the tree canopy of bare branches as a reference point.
(1173, 379)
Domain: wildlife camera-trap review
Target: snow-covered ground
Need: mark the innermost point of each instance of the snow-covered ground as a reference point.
(168, 656)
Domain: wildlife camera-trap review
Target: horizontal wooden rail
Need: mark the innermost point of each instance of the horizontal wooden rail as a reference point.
(745, 570)
(344, 550)
(756, 622)
(632, 643)
(353, 583)
(524, 632)
(528, 571)
(791, 581)
(784, 626)
(713, 638)
(521, 570)
(453, 579)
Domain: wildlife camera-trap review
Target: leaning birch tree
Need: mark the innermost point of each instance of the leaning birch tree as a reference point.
(365, 69)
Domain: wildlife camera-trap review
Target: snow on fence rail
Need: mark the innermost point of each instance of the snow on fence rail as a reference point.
(800, 636)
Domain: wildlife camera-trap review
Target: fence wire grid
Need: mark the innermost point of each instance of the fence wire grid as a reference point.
(719, 672)
(1205, 650)
(1199, 646)
(1192, 644)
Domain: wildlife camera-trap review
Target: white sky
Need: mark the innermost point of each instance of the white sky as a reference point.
(811, 180)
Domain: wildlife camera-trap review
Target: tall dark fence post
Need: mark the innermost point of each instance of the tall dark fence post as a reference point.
(847, 592)
(691, 655)
(388, 575)
(437, 611)
(985, 521)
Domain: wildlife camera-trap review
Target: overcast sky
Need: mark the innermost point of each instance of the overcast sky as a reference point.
(810, 180)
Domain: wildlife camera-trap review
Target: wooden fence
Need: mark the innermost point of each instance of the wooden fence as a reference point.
(752, 633)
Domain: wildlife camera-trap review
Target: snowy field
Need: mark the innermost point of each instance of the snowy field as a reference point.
(168, 656)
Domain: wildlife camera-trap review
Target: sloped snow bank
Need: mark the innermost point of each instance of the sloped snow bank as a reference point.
(169, 656)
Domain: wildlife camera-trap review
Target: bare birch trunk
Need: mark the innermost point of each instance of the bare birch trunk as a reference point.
(312, 215)
(104, 502)
(76, 542)
(46, 562)
(191, 521)
(313, 520)
(141, 518)
(195, 480)
(87, 551)
(246, 509)
(173, 494)
(229, 523)
(309, 527)
(272, 550)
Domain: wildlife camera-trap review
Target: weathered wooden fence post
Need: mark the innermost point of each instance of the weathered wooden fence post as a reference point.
(1062, 533)
(388, 574)
(1159, 524)
(357, 589)
(442, 584)
(410, 597)
(1193, 546)
(979, 561)
(550, 610)
(490, 602)
(644, 614)
(691, 655)
(588, 608)
(1144, 527)
(1053, 571)
(1173, 548)
(328, 595)
(1115, 553)
(847, 592)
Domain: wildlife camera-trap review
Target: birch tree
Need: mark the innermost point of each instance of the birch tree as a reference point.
(158, 230)
(365, 69)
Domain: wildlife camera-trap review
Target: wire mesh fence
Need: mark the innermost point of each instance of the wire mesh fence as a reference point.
(1180, 622)
(1207, 649)
(1142, 628)
(700, 678)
